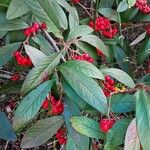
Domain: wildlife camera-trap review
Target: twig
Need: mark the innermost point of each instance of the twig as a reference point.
(5, 148)
(53, 43)
(85, 10)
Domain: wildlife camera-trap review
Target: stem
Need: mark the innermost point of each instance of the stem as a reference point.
(53, 43)
(120, 29)
(109, 108)
(85, 10)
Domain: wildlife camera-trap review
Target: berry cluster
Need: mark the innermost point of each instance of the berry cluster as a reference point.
(108, 86)
(22, 60)
(106, 124)
(84, 56)
(61, 136)
(56, 105)
(75, 1)
(143, 6)
(103, 25)
(34, 28)
(15, 77)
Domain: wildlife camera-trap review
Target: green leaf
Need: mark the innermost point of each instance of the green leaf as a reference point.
(64, 4)
(31, 104)
(41, 132)
(79, 31)
(119, 75)
(123, 5)
(35, 55)
(109, 13)
(6, 52)
(85, 87)
(11, 87)
(141, 17)
(145, 79)
(81, 142)
(122, 58)
(87, 126)
(116, 135)
(39, 73)
(106, 4)
(143, 118)
(2, 34)
(96, 42)
(72, 95)
(4, 3)
(122, 103)
(55, 13)
(45, 46)
(132, 140)
(70, 144)
(73, 18)
(73, 14)
(144, 51)
(10, 25)
(6, 131)
(16, 9)
(40, 12)
(87, 48)
(131, 3)
(86, 68)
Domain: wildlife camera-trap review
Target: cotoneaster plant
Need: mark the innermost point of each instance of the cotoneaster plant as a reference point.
(74, 74)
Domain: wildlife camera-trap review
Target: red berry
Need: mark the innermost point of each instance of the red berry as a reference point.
(32, 30)
(91, 60)
(107, 94)
(58, 108)
(61, 136)
(112, 89)
(15, 77)
(111, 82)
(24, 61)
(107, 86)
(27, 32)
(29, 62)
(99, 53)
(17, 54)
(106, 124)
(91, 24)
(85, 56)
(75, 1)
(36, 26)
(43, 26)
(62, 140)
(45, 104)
(107, 78)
